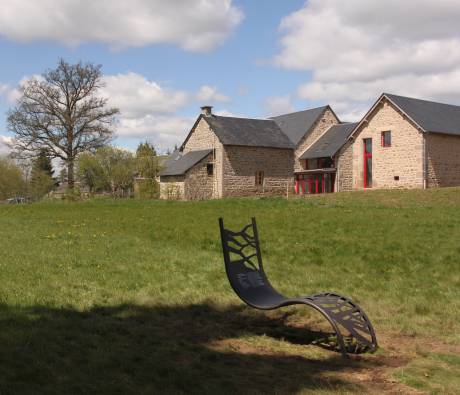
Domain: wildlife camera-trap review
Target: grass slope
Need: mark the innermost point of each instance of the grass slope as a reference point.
(131, 297)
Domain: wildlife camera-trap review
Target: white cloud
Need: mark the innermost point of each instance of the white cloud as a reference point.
(13, 93)
(209, 94)
(9, 93)
(137, 96)
(147, 110)
(194, 25)
(4, 141)
(357, 49)
(225, 113)
(161, 130)
(277, 105)
(3, 88)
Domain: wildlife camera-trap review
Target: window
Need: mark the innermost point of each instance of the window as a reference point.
(259, 178)
(386, 139)
(329, 162)
(210, 169)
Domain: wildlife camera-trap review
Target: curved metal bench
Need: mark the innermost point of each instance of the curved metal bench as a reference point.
(243, 264)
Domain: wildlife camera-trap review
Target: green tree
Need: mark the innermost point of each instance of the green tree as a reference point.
(119, 167)
(109, 169)
(12, 181)
(41, 176)
(145, 149)
(40, 184)
(43, 163)
(91, 173)
(148, 168)
(147, 161)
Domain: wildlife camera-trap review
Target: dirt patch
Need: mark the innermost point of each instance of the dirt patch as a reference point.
(412, 346)
(372, 373)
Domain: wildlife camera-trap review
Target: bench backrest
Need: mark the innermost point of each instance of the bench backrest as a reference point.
(243, 264)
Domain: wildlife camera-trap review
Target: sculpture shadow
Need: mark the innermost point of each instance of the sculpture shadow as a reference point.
(160, 349)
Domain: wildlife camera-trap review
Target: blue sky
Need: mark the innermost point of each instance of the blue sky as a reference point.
(246, 58)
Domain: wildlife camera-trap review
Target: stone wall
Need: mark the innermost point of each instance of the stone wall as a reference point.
(242, 163)
(443, 154)
(322, 124)
(201, 138)
(344, 165)
(172, 187)
(198, 184)
(404, 159)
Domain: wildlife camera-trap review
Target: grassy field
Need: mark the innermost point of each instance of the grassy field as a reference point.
(131, 297)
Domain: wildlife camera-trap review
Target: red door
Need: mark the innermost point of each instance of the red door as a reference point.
(367, 163)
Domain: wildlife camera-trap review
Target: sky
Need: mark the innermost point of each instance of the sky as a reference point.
(162, 60)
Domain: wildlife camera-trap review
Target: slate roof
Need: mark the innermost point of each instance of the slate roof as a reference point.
(295, 125)
(178, 163)
(330, 142)
(431, 116)
(248, 132)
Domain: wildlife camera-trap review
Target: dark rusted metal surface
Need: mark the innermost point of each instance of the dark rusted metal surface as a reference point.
(243, 264)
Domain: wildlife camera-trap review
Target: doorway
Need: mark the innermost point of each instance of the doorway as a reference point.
(367, 163)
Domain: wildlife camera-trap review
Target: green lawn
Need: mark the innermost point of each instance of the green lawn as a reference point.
(131, 297)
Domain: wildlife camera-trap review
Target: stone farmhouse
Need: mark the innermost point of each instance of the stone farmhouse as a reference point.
(401, 142)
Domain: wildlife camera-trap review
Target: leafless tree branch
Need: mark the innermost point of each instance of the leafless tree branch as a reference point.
(62, 113)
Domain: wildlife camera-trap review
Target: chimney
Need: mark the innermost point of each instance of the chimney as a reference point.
(206, 111)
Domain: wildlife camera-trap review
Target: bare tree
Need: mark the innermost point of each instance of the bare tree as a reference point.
(61, 113)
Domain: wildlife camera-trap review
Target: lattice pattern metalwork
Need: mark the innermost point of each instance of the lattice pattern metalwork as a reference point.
(243, 261)
(359, 335)
(243, 245)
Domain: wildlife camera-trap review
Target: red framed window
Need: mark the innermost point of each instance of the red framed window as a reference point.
(386, 138)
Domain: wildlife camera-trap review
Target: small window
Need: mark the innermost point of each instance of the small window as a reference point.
(210, 169)
(328, 163)
(259, 178)
(312, 164)
(386, 139)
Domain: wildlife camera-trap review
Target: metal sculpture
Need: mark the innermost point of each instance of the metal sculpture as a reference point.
(243, 264)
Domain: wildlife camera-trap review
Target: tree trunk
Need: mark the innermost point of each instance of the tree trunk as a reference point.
(70, 174)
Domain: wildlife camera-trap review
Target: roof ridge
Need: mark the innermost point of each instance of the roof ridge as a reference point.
(296, 112)
(345, 123)
(251, 119)
(423, 100)
(197, 150)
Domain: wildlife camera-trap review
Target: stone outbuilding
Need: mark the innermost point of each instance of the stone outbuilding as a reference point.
(188, 175)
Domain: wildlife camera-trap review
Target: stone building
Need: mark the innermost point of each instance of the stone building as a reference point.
(228, 156)
(400, 143)
(406, 143)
